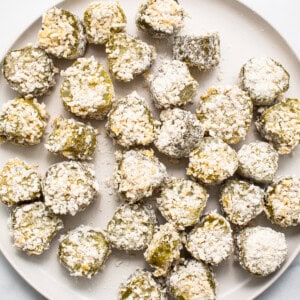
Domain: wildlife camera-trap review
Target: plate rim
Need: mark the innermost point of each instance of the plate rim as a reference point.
(42, 290)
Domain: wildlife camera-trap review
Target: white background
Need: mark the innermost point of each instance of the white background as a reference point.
(17, 15)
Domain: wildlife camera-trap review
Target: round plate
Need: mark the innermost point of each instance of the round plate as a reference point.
(243, 35)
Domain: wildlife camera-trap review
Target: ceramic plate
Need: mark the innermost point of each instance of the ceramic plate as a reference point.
(243, 35)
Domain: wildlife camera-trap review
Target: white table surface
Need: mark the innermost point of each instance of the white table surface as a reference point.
(16, 15)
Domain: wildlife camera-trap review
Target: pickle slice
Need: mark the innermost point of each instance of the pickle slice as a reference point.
(128, 57)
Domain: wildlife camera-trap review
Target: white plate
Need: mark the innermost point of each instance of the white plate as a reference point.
(243, 35)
